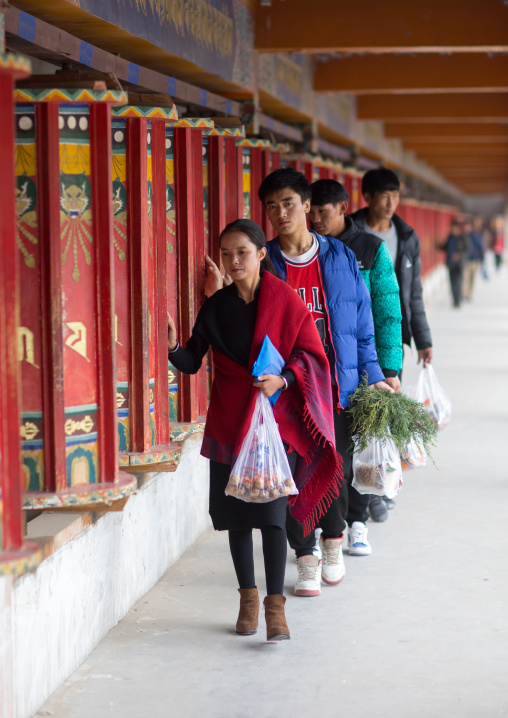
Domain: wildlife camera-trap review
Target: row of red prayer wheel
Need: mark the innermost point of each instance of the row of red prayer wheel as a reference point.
(112, 210)
(104, 232)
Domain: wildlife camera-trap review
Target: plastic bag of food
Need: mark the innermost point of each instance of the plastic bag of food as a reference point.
(261, 472)
(377, 469)
(431, 394)
(413, 456)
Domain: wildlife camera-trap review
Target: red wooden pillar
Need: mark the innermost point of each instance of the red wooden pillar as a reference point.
(158, 139)
(308, 171)
(348, 184)
(221, 192)
(138, 233)
(15, 555)
(9, 308)
(256, 176)
(326, 173)
(199, 273)
(48, 173)
(189, 215)
(355, 192)
(185, 230)
(265, 171)
(275, 161)
(102, 207)
(233, 180)
(239, 184)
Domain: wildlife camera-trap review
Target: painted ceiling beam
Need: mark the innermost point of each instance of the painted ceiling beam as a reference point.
(458, 149)
(395, 74)
(443, 164)
(41, 39)
(464, 107)
(465, 132)
(140, 33)
(371, 26)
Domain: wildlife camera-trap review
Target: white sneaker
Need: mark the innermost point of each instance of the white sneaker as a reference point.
(333, 569)
(317, 548)
(309, 576)
(357, 540)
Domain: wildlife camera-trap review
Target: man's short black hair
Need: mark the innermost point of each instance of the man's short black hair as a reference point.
(328, 191)
(286, 177)
(379, 180)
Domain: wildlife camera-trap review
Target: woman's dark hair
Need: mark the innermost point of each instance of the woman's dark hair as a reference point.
(255, 235)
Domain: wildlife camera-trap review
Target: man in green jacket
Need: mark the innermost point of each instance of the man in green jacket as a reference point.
(329, 204)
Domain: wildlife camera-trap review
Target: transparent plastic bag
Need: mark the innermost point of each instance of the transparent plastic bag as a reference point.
(413, 456)
(261, 472)
(377, 469)
(431, 394)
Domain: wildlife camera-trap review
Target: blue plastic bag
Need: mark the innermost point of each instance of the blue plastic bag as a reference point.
(269, 361)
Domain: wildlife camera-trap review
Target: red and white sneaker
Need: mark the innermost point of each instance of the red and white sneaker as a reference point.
(308, 582)
(333, 569)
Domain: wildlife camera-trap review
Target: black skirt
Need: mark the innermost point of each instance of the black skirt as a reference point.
(230, 514)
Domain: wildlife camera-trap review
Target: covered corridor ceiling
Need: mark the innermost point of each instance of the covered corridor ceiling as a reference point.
(434, 72)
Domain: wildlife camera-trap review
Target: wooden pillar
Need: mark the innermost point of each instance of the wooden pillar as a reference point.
(221, 192)
(233, 180)
(9, 310)
(186, 229)
(298, 165)
(102, 207)
(48, 205)
(265, 171)
(199, 268)
(138, 234)
(308, 171)
(326, 173)
(256, 175)
(158, 137)
(239, 183)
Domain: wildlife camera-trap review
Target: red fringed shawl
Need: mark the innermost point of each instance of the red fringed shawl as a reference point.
(304, 412)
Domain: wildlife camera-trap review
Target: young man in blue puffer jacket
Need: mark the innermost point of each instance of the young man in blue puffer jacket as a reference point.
(325, 273)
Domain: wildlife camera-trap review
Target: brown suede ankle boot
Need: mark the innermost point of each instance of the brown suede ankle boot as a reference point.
(247, 623)
(276, 626)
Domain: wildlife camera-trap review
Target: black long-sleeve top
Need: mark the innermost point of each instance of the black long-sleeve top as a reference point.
(226, 323)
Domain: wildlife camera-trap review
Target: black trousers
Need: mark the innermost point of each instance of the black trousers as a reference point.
(348, 508)
(456, 284)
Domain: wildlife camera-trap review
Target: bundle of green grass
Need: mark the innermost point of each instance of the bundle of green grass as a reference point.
(380, 414)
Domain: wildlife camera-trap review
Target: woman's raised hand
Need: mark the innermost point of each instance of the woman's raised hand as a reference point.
(269, 384)
(172, 337)
(214, 280)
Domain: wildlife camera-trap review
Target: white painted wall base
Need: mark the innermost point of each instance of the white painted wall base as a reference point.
(52, 618)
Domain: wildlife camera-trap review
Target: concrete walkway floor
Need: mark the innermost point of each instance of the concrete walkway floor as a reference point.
(418, 629)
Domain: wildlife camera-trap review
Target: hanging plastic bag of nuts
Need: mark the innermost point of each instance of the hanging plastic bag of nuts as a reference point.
(413, 456)
(261, 472)
(377, 469)
(430, 393)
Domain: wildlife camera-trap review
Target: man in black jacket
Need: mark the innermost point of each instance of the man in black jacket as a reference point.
(381, 190)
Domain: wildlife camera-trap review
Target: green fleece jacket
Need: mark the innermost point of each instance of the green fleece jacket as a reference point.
(378, 272)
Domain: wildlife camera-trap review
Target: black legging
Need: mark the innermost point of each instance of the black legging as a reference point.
(274, 553)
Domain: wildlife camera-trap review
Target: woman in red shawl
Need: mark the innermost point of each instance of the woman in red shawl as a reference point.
(234, 322)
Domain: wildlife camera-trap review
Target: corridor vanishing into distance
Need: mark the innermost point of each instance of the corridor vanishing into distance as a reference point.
(418, 629)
